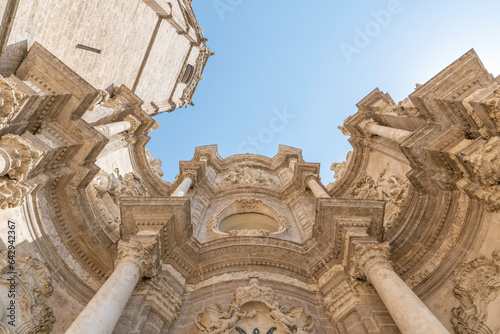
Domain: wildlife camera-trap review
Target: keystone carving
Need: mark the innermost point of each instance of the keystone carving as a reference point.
(254, 309)
(33, 287)
(17, 159)
(366, 255)
(11, 101)
(477, 284)
(141, 253)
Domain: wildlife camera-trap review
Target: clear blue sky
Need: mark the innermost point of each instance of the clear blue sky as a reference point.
(289, 72)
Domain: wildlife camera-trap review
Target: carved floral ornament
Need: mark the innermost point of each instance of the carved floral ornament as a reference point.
(255, 309)
(477, 285)
(248, 205)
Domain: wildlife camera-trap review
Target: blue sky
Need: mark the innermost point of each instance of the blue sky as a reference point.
(289, 72)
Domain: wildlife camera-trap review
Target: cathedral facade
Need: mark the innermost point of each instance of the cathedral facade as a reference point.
(93, 240)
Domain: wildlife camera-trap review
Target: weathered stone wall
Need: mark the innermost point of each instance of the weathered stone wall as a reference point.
(164, 64)
(121, 29)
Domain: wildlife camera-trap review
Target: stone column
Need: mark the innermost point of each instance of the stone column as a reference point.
(5, 162)
(183, 188)
(113, 128)
(398, 135)
(371, 262)
(316, 188)
(101, 314)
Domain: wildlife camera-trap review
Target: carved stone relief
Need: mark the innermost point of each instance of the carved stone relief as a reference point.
(486, 163)
(341, 168)
(107, 189)
(242, 175)
(254, 309)
(11, 101)
(154, 163)
(33, 287)
(391, 188)
(477, 284)
(19, 157)
(493, 105)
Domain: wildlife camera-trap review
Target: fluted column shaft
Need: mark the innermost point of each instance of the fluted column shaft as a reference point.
(183, 188)
(410, 314)
(316, 188)
(104, 310)
(111, 129)
(398, 135)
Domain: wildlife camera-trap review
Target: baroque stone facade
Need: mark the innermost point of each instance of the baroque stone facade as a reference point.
(94, 241)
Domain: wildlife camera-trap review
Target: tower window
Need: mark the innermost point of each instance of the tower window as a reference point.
(188, 73)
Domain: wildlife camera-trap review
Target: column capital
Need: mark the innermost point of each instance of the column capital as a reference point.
(366, 123)
(139, 253)
(368, 254)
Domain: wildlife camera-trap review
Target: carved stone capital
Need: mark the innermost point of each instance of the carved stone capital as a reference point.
(20, 156)
(366, 124)
(140, 253)
(367, 255)
(11, 101)
(134, 123)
